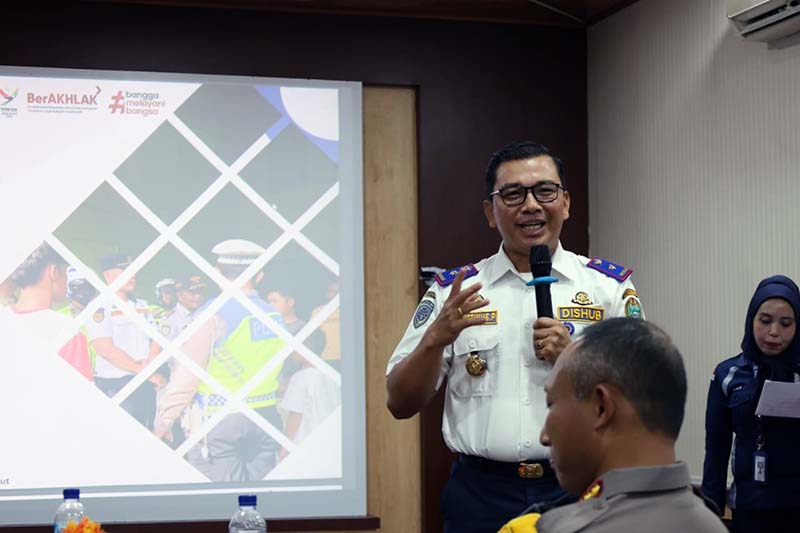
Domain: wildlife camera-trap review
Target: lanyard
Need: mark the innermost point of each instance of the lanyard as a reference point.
(760, 434)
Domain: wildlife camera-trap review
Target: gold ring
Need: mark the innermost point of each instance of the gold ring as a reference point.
(460, 312)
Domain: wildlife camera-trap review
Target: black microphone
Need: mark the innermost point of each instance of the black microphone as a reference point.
(540, 268)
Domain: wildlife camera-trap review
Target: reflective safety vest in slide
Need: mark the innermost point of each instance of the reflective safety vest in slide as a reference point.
(158, 312)
(238, 358)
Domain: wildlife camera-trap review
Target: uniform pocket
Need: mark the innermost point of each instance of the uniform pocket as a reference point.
(469, 343)
(740, 396)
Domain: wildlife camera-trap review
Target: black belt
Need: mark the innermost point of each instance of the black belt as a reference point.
(530, 469)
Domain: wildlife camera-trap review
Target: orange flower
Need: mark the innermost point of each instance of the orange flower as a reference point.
(86, 525)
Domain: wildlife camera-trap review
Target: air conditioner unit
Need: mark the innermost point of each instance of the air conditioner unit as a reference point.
(764, 20)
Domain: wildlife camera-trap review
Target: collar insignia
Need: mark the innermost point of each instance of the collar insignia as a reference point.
(594, 490)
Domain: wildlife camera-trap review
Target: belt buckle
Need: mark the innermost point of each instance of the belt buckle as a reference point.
(530, 470)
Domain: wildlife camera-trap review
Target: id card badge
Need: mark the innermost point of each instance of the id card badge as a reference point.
(760, 467)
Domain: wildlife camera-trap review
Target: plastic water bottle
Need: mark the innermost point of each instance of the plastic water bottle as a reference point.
(70, 510)
(247, 519)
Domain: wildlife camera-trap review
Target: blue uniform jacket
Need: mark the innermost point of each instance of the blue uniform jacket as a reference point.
(730, 417)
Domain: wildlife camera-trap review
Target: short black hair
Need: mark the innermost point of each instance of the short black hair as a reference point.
(282, 291)
(517, 151)
(30, 271)
(640, 359)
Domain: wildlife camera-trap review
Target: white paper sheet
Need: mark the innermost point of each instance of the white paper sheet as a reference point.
(779, 398)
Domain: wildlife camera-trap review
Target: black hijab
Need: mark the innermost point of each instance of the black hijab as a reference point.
(780, 367)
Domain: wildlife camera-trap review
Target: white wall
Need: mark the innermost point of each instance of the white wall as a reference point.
(694, 151)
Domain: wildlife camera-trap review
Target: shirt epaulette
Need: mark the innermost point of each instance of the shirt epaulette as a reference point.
(612, 270)
(447, 277)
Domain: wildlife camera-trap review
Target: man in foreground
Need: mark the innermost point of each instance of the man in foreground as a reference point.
(479, 327)
(615, 407)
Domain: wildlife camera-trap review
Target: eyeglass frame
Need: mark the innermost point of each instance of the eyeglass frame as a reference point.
(528, 190)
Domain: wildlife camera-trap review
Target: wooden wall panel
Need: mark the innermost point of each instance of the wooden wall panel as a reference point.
(390, 250)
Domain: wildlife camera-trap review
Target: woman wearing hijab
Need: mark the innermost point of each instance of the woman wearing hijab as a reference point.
(765, 494)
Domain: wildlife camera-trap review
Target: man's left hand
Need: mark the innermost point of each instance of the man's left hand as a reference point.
(550, 337)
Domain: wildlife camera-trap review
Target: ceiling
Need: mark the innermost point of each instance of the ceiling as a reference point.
(568, 13)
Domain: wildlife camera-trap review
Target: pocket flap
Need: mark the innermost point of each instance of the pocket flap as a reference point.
(469, 342)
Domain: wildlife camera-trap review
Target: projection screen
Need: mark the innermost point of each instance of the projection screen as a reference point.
(182, 304)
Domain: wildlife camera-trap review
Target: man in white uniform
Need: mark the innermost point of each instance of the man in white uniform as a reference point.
(479, 328)
(189, 297)
(122, 348)
(311, 396)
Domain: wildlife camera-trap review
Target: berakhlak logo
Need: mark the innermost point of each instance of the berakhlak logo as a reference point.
(7, 97)
(117, 103)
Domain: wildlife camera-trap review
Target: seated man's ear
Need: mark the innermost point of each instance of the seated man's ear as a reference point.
(603, 404)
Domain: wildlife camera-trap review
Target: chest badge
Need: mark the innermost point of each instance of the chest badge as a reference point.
(475, 365)
(581, 298)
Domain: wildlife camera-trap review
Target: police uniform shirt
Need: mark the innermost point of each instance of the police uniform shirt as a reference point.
(499, 415)
(110, 321)
(175, 321)
(654, 499)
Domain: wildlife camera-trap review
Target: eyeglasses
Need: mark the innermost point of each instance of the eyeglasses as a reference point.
(544, 192)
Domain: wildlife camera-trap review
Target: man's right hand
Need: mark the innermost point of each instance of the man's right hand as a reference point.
(451, 321)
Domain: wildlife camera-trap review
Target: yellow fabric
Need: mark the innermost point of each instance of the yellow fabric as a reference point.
(521, 524)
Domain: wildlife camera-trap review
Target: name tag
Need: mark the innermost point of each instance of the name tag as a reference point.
(581, 314)
(489, 316)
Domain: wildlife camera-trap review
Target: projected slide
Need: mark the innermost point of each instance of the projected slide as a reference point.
(181, 298)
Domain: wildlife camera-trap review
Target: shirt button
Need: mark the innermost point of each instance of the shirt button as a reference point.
(526, 401)
(528, 325)
(529, 289)
(528, 444)
(472, 343)
(527, 362)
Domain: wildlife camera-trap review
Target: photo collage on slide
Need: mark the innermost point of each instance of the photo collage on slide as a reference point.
(198, 285)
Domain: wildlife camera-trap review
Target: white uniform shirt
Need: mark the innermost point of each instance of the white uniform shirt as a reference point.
(176, 321)
(499, 415)
(110, 321)
(312, 394)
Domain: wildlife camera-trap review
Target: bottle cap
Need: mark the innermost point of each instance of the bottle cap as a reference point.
(248, 500)
(72, 494)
